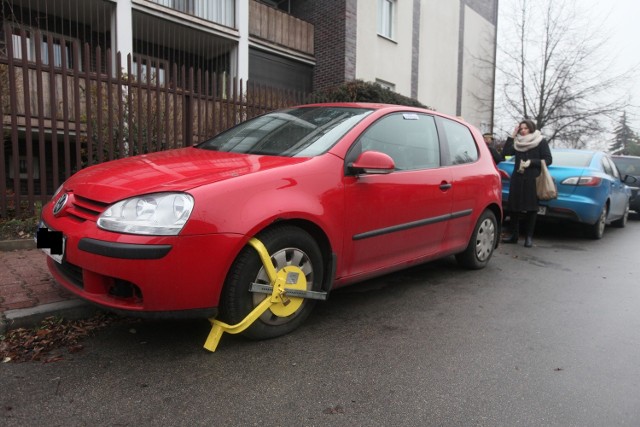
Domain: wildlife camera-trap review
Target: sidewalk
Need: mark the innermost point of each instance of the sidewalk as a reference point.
(28, 293)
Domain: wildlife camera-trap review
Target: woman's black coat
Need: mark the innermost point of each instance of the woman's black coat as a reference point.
(522, 189)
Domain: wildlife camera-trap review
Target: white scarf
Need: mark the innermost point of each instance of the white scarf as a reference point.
(524, 143)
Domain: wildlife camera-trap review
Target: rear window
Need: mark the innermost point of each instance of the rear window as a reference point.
(627, 165)
(462, 146)
(578, 159)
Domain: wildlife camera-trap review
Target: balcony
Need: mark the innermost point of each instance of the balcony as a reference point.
(272, 26)
(221, 12)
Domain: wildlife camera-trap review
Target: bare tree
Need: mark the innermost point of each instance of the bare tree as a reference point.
(553, 70)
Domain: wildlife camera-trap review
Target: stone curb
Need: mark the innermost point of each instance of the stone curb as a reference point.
(30, 317)
(15, 245)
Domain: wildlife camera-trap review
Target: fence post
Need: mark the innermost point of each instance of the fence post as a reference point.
(13, 101)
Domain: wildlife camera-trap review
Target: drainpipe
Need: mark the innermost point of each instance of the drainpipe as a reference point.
(122, 30)
(242, 50)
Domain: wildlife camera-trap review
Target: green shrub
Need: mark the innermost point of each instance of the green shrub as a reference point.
(361, 91)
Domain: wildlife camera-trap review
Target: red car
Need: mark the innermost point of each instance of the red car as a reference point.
(308, 199)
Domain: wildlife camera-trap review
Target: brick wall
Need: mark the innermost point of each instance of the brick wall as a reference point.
(335, 39)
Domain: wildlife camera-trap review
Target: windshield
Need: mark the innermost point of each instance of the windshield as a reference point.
(296, 132)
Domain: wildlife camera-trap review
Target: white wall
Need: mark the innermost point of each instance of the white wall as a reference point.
(438, 79)
(477, 88)
(381, 58)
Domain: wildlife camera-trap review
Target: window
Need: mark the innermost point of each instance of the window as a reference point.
(386, 85)
(218, 11)
(151, 69)
(386, 12)
(410, 139)
(610, 168)
(462, 146)
(58, 45)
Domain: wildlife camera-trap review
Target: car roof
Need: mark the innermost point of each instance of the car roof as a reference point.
(624, 156)
(383, 106)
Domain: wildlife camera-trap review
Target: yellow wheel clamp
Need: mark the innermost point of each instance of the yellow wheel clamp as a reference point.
(287, 289)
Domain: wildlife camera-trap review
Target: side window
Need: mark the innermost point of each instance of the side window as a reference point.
(609, 168)
(410, 139)
(462, 146)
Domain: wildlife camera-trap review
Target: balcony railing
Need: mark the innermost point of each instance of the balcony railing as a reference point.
(271, 25)
(220, 11)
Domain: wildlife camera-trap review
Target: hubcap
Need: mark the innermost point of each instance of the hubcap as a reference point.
(485, 239)
(289, 262)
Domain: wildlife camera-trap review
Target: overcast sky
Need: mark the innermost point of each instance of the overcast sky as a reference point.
(623, 20)
(618, 20)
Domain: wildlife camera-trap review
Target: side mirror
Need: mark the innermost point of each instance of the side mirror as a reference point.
(630, 179)
(373, 162)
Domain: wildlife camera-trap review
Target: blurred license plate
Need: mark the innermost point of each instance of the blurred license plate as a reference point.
(56, 257)
(542, 210)
(51, 243)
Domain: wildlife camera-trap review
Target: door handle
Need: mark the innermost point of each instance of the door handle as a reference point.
(445, 186)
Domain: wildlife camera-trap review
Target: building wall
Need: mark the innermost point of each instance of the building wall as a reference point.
(439, 41)
(334, 38)
(382, 58)
(442, 52)
(476, 104)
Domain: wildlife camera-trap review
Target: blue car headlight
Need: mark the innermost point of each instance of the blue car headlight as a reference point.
(161, 214)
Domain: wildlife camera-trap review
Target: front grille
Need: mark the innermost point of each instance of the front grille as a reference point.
(85, 208)
(71, 272)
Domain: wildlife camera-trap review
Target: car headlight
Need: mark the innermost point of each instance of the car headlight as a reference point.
(162, 214)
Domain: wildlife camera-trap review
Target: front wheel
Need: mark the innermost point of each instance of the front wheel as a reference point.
(481, 244)
(287, 246)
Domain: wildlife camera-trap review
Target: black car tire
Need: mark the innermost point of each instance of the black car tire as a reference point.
(287, 245)
(481, 244)
(622, 221)
(596, 231)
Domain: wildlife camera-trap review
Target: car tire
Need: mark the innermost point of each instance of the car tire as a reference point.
(481, 244)
(286, 245)
(596, 231)
(622, 221)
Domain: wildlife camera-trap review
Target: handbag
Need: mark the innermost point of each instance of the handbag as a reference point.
(545, 186)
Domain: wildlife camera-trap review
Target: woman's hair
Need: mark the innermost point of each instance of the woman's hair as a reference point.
(530, 125)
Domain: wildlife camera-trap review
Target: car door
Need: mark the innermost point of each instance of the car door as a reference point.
(400, 216)
(470, 182)
(618, 196)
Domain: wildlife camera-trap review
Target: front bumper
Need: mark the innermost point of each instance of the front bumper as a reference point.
(147, 276)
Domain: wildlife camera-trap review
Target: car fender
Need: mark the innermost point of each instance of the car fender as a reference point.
(256, 201)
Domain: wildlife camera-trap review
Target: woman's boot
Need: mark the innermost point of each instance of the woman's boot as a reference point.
(531, 225)
(515, 230)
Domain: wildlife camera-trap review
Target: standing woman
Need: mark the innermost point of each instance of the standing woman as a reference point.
(529, 148)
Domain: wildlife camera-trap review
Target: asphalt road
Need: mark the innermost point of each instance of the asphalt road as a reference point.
(547, 336)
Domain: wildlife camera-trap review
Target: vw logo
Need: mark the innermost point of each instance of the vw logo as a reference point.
(60, 204)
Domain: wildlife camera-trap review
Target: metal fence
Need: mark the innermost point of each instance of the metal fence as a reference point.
(59, 118)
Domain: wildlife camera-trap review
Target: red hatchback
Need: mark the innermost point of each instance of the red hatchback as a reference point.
(306, 199)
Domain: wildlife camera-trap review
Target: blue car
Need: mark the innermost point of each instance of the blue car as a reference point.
(590, 190)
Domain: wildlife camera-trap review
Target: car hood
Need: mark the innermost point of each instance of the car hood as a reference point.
(172, 170)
